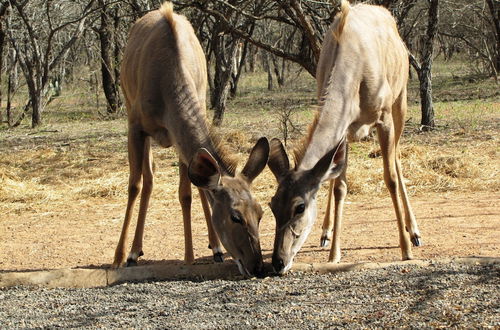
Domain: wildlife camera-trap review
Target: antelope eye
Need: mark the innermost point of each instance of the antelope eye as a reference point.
(236, 219)
(299, 209)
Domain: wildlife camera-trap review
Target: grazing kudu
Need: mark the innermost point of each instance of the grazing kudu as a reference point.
(361, 76)
(164, 80)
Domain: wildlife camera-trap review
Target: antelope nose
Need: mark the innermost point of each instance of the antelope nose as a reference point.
(259, 270)
(278, 265)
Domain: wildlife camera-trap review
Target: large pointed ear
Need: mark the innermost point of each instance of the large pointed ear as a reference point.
(278, 160)
(204, 171)
(257, 160)
(332, 164)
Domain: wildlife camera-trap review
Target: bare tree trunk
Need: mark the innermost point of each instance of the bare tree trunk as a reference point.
(252, 58)
(36, 106)
(267, 67)
(280, 73)
(235, 78)
(9, 101)
(3, 13)
(106, 38)
(2, 39)
(224, 53)
(424, 69)
(425, 76)
(116, 57)
(427, 108)
(494, 7)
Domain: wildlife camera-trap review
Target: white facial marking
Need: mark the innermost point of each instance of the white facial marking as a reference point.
(310, 217)
(287, 267)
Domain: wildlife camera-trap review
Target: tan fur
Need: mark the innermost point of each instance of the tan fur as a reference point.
(301, 147)
(230, 162)
(164, 81)
(361, 78)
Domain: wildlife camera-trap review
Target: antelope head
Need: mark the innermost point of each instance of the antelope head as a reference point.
(235, 213)
(294, 203)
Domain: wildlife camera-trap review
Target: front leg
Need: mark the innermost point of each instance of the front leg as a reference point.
(340, 192)
(185, 200)
(147, 188)
(213, 240)
(326, 236)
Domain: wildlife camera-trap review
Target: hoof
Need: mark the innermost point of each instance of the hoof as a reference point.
(218, 257)
(210, 246)
(416, 241)
(324, 242)
(132, 259)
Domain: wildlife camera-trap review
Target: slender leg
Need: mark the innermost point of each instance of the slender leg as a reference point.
(147, 187)
(185, 200)
(399, 111)
(326, 236)
(410, 221)
(136, 141)
(213, 240)
(340, 192)
(385, 132)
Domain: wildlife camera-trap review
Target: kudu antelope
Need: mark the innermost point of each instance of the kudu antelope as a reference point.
(164, 80)
(361, 77)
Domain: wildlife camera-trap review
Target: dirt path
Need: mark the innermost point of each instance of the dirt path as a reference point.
(84, 233)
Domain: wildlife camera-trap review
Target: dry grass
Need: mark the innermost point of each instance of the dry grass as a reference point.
(76, 156)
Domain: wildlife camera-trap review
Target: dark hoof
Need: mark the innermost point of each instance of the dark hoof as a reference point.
(416, 241)
(131, 263)
(141, 253)
(218, 257)
(209, 247)
(324, 242)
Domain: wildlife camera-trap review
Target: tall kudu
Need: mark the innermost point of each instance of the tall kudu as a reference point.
(164, 80)
(362, 75)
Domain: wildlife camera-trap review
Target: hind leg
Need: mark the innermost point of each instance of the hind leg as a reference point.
(398, 114)
(385, 130)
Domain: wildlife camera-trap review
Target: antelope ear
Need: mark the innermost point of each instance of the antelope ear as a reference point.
(204, 171)
(332, 164)
(257, 160)
(278, 160)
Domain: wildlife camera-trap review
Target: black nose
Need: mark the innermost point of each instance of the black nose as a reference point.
(278, 265)
(259, 271)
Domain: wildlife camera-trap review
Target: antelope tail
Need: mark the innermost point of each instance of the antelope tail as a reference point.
(167, 10)
(342, 16)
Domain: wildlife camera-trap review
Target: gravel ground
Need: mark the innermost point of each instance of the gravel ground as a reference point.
(441, 295)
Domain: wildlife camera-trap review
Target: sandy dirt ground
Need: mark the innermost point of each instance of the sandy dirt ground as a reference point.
(84, 233)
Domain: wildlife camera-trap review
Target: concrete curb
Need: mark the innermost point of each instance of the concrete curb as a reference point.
(91, 278)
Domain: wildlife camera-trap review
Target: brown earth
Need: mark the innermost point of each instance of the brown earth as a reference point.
(83, 233)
